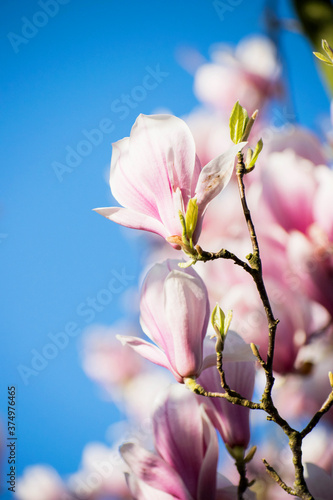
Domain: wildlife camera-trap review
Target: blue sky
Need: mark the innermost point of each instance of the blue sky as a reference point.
(60, 83)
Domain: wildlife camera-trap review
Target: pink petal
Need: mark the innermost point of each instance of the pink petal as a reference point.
(179, 435)
(231, 421)
(148, 351)
(132, 219)
(215, 176)
(153, 471)
(187, 314)
(207, 477)
(152, 318)
(289, 187)
(313, 268)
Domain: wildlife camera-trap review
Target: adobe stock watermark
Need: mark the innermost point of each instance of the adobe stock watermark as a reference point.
(281, 120)
(30, 27)
(87, 309)
(223, 7)
(121, 107)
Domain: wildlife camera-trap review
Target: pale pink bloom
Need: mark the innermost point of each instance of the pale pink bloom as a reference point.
(41, 482)
(101, 475)
(289, 187)
(107, 362)
(174, 314)
(302, 141)
(121, 371)
(211, 133)
(140, 393)
(232, 421)
(231, 227)
(303, 396)
(249, 319)
(251, 75)
(155, 172)
(187, 453)
(312, 263)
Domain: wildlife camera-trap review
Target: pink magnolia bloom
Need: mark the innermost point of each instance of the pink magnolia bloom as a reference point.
(302, 141)
(187, 453)
(210, 131)
(107, 362)
(289, 187)
(312, 263)
(293, 310)
(231, 421)
(155, 172)
(174, 314)
(250, 75)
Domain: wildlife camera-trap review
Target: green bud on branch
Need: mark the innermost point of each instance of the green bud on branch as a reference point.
(251, 164)
(250, 454)
(191, 218)
(221, 323)
(237, 123)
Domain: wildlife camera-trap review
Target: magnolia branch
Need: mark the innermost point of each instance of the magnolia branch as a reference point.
(232, 396)
(204, 256)
(295, 437)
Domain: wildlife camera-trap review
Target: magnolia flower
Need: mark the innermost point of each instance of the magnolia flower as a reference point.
(174, 314)
(312, 263)
(107, 362)
(250, 75)
(187, 453)
(155, 172)
(291, 202)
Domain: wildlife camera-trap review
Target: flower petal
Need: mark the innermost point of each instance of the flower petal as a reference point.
(178, 434)
(215, 176)
(187, 314)
(207, 477)
(148, 351)
(153, 471)
(130, 218)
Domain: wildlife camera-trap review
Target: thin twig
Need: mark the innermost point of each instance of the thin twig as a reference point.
(204, 256)
(233, 397)
(315, 419)
(274, 475)
(256, 352)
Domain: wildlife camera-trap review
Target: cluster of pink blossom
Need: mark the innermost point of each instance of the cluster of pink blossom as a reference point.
(169, 176)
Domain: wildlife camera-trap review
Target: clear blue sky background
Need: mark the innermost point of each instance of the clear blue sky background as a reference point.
(54, 251)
